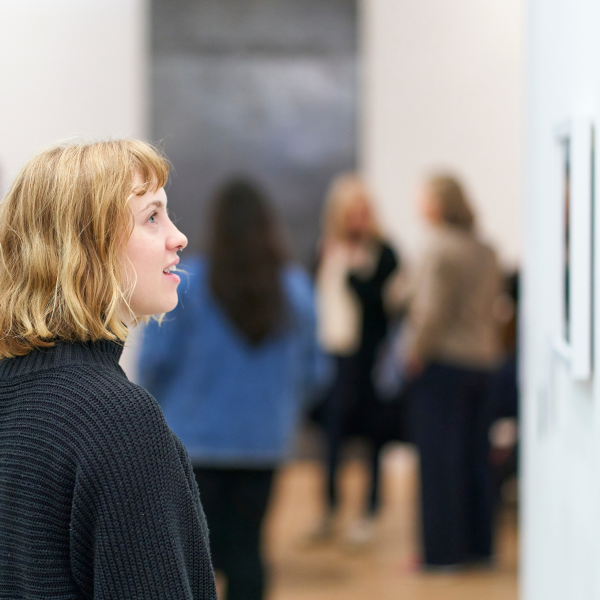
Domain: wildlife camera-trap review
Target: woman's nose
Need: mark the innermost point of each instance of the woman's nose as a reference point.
(180, 241)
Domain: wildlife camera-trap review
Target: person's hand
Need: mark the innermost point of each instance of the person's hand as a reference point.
(339, 251)
(358, 256)
(352, 255)
(414, 366)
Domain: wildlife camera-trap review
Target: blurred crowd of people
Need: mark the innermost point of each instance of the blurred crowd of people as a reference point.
(364, 346)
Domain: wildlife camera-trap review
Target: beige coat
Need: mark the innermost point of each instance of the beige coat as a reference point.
(451, 302)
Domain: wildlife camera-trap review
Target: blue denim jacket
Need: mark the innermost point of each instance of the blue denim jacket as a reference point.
(232, 404)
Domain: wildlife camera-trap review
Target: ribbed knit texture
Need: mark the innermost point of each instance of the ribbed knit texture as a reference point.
(97, 495)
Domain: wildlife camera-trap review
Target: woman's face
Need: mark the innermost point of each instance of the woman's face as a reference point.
(152, 252)
(357, 221)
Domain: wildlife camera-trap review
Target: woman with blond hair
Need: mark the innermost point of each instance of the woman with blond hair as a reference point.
(355, 264)
(452, 349)
(97, 495)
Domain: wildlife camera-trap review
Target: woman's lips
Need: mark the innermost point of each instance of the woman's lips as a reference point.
(172, 276)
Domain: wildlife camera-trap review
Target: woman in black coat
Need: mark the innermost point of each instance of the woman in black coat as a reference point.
(354, 268)
(97, 495)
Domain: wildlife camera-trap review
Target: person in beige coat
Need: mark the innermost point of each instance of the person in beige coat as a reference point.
(452, 350)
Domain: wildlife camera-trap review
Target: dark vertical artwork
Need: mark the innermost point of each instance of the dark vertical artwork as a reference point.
(264, 88)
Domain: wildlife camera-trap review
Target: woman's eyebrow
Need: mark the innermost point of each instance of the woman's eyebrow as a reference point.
(157, 203)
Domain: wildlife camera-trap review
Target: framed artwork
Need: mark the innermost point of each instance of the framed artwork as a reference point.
(576, 143)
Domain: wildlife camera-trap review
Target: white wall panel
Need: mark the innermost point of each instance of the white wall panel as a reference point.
(70, 67)
(560, 521)
(443, 88)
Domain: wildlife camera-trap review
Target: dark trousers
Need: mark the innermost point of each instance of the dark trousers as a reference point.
(451, 425)
(348, 410)
(235, 502)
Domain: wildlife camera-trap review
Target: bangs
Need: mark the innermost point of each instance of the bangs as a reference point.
(149, 161)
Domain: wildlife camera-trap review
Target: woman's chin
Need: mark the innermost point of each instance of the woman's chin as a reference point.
(171, 307)
(158, 308)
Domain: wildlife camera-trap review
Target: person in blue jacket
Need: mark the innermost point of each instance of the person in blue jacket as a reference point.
(231, 368)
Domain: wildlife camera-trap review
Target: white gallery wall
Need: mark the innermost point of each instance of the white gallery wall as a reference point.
(560, 408)
(69, 67)
(443, 88)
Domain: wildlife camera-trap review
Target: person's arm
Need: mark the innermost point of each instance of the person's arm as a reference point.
(137, 526)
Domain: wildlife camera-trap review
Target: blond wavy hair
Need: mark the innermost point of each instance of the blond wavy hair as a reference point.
(345, 192)
(64, 223)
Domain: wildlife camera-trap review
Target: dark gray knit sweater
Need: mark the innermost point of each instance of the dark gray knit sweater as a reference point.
(97, 495)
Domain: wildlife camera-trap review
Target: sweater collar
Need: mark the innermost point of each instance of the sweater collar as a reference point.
(102, 352)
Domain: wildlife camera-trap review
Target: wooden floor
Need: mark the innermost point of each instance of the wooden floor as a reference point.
(381, 570)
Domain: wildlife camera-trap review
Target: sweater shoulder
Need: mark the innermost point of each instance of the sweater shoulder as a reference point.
(112, 391)
(96, 401)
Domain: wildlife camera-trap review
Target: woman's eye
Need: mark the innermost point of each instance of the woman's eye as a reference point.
(152, 218)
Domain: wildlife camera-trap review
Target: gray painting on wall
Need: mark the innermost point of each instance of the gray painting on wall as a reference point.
(265, 88)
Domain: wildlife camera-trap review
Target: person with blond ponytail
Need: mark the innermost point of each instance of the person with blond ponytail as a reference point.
(355, 266)
(97, 495)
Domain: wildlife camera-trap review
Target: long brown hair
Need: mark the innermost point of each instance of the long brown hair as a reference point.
(246, 254)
